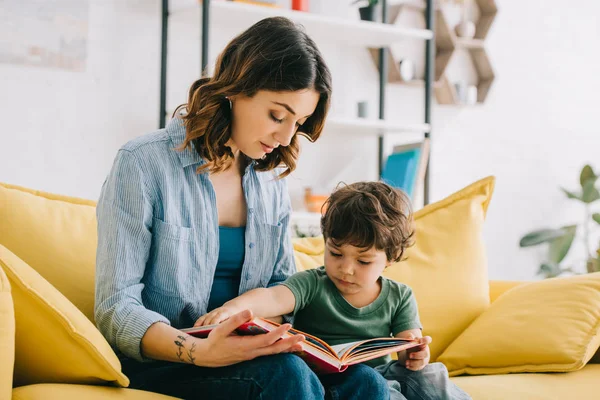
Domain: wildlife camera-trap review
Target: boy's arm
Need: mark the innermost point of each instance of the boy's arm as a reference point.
(263, 302)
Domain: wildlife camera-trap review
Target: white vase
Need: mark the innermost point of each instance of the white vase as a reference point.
(465, 29)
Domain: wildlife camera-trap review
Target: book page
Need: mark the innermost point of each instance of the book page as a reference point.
(341, 349)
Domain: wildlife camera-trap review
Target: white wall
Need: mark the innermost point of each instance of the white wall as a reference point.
(61, 129)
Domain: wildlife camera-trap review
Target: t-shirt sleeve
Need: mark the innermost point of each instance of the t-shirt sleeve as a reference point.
(304, 287)
(407, 313)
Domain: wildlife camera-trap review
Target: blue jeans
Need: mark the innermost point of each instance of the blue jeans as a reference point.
(273, 377)
(431, 383)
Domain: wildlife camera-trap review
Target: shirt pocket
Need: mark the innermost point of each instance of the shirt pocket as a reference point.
(171, 258)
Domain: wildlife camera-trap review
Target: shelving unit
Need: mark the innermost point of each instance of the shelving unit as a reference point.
(446, 43)
(445, 90)
(239, 16)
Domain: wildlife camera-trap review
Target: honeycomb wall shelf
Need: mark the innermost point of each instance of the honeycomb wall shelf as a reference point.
(446, 44)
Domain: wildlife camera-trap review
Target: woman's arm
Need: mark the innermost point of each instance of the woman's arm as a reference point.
(124, 215)
(263, 302)
(221, 348)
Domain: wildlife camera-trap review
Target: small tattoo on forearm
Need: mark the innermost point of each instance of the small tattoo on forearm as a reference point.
(181, 347)
(190, 353)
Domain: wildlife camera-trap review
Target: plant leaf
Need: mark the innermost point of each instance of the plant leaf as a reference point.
(549, 270)
(572, 195)
(590, 193)
(587, 173)
(541, 236)
(559, 247)
(596, 217)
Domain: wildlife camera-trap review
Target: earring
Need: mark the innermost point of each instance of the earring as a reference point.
(230, 103)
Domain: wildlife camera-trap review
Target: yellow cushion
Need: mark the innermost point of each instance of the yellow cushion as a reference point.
(309, 252)
(498, 288)
(56, 236)
(54, 341)
(447, 267)
(579, 385)
(546, 326)
(7, 337)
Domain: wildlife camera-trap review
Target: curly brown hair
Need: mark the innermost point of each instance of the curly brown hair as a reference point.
(274, 54)
(370, 214)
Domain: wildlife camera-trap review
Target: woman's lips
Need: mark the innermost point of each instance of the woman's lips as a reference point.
(266, 149)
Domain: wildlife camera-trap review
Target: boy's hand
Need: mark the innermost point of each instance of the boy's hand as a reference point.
(216, 316)
(417, 357)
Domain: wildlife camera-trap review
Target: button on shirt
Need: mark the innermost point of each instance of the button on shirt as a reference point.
(158, 238)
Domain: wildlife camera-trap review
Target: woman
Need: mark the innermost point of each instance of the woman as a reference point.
(195, 214)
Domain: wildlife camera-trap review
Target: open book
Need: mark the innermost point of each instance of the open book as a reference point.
(321, 357)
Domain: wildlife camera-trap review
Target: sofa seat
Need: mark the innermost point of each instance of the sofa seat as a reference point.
(61, 391)
(580, 385)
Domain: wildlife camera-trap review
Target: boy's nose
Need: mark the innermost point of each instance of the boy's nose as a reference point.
(346, 268)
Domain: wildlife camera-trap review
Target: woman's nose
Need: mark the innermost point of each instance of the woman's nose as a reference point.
(285, 135)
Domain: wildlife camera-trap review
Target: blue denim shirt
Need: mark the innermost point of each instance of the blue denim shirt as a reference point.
(158, 238)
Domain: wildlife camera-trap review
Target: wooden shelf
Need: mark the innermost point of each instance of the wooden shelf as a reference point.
(372, 126)
(238, 16)
(364, 126)
(444, 41)
(487, 14)
(469, 43)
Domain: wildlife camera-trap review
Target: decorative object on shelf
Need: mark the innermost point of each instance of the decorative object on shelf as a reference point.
(461, 92)
(363, 109)
(305, 224)
(560, 240)
(314, 202)
(300, 5)
(367, 13)
(407, 70)
(471, 97)
(405, 167)
(465, 28)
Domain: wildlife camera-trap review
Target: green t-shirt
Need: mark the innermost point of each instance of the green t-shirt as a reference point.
(322, 311)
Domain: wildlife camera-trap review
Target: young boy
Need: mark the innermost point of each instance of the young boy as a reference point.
(367, 226)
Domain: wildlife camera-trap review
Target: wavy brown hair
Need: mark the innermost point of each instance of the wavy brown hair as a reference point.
(274, 55)
(370, 214)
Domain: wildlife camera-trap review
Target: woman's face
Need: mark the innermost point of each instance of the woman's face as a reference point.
(268, 120)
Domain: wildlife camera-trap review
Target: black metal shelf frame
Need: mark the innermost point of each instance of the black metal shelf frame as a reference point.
(429, 70)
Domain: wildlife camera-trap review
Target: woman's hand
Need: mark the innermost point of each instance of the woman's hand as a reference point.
(216, 316)
(417, 357)
(222, 348)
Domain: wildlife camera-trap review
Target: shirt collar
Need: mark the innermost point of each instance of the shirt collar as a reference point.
(176, 131)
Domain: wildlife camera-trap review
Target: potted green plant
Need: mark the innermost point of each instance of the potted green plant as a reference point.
(559, 240)
(367, 12)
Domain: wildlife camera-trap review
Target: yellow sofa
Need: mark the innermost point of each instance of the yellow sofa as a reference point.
(55, 237)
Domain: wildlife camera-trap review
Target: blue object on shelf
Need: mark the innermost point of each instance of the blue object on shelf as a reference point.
(405, 167)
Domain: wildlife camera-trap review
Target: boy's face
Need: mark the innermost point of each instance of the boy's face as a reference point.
(354, 270)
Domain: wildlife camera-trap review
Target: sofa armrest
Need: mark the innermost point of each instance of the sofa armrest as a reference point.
(7, 337)
(499, 287)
